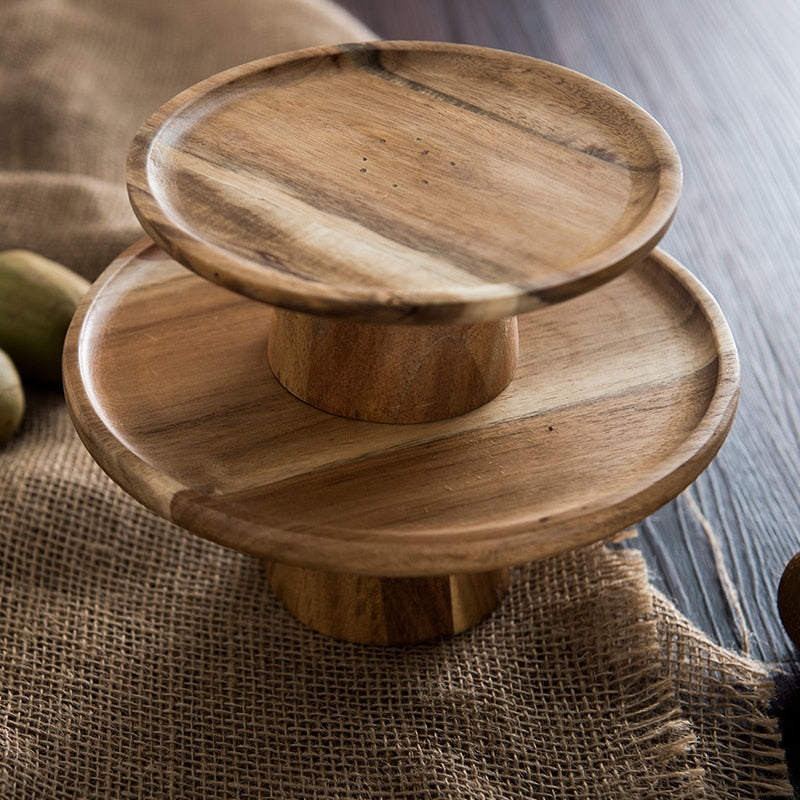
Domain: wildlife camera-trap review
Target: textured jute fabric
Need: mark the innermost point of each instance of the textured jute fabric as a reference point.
(139, 661)
(78, 77)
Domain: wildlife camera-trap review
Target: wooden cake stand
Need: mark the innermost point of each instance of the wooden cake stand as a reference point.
(383, 214)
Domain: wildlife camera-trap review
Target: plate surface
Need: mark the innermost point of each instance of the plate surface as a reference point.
(621, 399)
(404, 181)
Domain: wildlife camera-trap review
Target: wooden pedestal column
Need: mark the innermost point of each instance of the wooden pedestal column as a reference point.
(393, 611)
(390, 374)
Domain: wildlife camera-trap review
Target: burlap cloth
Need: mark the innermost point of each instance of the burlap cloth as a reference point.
(137, 660)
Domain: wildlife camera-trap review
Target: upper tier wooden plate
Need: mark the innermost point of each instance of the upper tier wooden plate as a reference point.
(620, 400)
(404, 181)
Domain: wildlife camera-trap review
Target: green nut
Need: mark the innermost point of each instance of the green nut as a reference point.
(12, 398)
(38, 298)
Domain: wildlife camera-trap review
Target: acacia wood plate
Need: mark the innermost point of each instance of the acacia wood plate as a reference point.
(404, 182)
(621, 398)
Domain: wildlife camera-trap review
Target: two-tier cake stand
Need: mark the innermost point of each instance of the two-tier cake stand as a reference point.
(346, 382)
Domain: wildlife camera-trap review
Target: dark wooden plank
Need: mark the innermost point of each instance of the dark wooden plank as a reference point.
(726, 85)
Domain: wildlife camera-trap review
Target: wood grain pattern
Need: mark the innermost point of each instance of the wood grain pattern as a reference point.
(387, 611)
(392, 373)
(404, 182)
(621, 398)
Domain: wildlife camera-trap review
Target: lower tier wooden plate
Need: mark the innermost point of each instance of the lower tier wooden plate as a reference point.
(622, 397)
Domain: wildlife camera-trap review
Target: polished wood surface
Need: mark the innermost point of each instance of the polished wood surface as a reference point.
(404, 182)
(167, 380)
(392, 373)
(387, 611)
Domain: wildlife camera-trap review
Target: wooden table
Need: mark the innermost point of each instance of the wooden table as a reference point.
(724, 80)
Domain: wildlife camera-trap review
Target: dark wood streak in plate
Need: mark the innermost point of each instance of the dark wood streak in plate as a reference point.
(370, 58)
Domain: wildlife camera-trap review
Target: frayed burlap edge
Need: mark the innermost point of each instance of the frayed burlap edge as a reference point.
(725, 698)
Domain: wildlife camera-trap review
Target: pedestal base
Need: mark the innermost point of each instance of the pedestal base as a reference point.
(388, 611)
